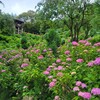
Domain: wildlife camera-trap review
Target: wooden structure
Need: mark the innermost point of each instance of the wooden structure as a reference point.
(18, 26)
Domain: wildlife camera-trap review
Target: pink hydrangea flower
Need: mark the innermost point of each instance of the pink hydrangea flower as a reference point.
(20, 70)
(32, 50)
(50, 77)
(58, 60)
(97, 44)
(83, 85)
(60, 74)
(48, 69)
(67, 52)
(46, 72)
(40, 57)
(97, 61)
(54, 64)
(24, 65)
(69, 59)
(74, 43)
(78, 83)
(54, 80)
(57, 98)
(0, 56)
(37, 51)
(80, 93)
(89, 38)
(63, 63)
(52, 84)
(85, 95)
(95, 91)
(90, 64)
(87, 44)
(79, 60)
(3, 71)
(55, 68)
(60, 67)
(27, 52)
(50, 49)
(76, 88)
(44, 50)
(83, 41)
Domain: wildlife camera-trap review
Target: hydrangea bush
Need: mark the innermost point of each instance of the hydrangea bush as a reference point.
(73, 74)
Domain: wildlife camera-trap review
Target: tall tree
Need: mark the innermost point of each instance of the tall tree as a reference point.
(6, 24)
(95, 22)
(27, 16)
(30, 24)
(72, 12)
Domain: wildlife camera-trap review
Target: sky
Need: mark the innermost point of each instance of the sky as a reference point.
(18, 6)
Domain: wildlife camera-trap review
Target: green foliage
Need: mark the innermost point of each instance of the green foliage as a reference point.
(64, 12)
(95, 39)
(29, 72)
(6, 24)
(31, 28)
(52, 36)
(27, 16)
(95, 18)
(31, 25)
(53, 39)
(63, 41)
(4, 38)
(24, 42)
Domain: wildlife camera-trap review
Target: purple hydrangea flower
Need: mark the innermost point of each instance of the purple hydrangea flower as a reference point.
(78, 83)
(46, 72)
(69, 59)
(52, 84)
(90, 64)
(60, 67)
(74, 43)
(67, 52)
(97, 44)
(83, 41)
(24, 65)
(76, 88)
(85, 95)
(40, 57)
(95, 91)
(79, 60)
(83, 85)
(58, 60)
(97, 61)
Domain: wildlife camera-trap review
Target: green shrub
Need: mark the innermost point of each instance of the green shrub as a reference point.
(53, 39)
(63, 41)
(95, 39)
(6, 24)
(53, 46)
(24, 42)
(18, 45)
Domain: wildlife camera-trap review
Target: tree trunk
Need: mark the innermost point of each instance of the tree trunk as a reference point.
(86, 34)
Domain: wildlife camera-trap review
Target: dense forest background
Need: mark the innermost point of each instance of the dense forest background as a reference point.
(73, 17)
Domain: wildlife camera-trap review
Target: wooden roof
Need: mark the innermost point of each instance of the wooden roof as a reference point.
(18, 21)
